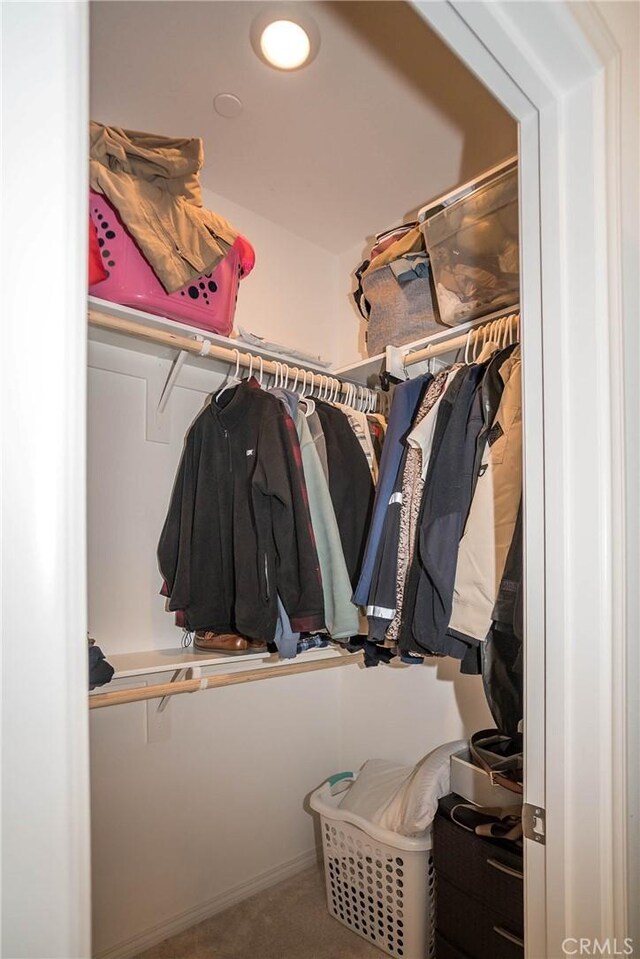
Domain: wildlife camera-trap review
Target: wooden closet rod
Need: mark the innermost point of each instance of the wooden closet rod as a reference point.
(460, 342)
(203, 348)
(159, 691)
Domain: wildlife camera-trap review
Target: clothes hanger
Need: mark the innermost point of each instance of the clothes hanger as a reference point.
(467, 346)
(308, 400)
(261, 374)
(232, 380)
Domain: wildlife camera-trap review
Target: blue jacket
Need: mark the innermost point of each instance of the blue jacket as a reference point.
(405, 402)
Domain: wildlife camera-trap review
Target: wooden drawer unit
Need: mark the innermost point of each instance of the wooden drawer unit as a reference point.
(479, 895)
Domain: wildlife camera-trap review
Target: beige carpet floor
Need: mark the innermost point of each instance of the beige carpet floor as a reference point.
(287, 921)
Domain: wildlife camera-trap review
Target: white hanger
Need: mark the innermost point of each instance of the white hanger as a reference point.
(467, 357)
(261, 374)
(232, 380)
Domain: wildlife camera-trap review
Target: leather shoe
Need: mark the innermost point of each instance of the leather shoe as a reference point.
(229, 643)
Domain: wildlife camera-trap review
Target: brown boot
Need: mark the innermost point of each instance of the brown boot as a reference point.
(229, 643)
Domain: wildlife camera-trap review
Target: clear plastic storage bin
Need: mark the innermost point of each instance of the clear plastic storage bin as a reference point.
(379, 884)
(473, 245)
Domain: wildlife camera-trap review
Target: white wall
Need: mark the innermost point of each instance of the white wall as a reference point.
(182, 827)
(401, 712)
(292, 292)
(350, 326)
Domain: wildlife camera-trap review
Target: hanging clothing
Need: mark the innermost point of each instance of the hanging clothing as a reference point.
(492, 517)
(284, 637)
(382, 593)
(237, 532)
(152, 181)
(444, 511)
(360, 426)
(448, 399)
(315, 428)
(405, 400)
(350, 485)
(508, 610)
(417, 459)
(340, 615)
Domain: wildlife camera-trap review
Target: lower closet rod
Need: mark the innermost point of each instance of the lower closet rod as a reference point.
(119, 696)
(204, 347)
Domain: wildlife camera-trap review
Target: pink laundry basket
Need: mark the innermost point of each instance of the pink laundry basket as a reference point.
(208, 302)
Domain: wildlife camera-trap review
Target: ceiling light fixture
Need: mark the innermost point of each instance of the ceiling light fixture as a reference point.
(284, 39)
(285, 44)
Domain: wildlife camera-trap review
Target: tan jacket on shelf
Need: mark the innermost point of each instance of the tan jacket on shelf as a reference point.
(152, 181)
(483, 549)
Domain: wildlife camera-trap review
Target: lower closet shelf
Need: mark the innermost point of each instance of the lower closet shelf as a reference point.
(231, 671)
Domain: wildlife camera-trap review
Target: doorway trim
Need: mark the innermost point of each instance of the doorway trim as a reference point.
(557, 71)
(559, 76)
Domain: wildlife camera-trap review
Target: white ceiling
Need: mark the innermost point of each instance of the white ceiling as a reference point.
(384, 119)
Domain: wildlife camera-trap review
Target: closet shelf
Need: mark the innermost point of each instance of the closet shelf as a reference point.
(362, 371)
(98, 334)
(237, 670)
(150, 662)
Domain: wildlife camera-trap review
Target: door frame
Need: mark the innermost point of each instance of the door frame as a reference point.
(556, 68)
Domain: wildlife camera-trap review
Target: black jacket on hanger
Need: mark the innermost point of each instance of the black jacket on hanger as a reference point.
(238, 532)
(447, 501)
(350, 485)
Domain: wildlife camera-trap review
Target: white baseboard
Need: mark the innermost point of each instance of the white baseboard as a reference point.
(204, 910)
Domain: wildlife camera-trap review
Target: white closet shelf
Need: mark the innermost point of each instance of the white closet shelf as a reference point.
(361, 371)
(231, 671)
(149, 662)
(165, 325)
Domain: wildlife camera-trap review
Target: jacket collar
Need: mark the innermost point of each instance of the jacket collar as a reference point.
(231, 406)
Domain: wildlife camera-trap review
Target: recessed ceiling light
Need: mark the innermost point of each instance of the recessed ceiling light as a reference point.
(285, 38)
(285, 44)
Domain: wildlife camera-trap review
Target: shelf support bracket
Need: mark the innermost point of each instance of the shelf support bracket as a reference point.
(171, 380)
(186, 672)
(159, 389)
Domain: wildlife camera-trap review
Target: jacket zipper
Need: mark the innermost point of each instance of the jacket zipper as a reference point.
(266, 575)
(226, 438)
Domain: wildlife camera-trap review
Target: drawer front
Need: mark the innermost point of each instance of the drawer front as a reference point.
(473, 928)
(444, 949)
(480, 868)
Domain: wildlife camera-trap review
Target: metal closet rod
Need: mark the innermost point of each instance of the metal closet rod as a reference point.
(510, 319)
(159, 691)
(255, 362)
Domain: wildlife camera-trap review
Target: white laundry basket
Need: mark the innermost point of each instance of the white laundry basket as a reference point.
(379, 884)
